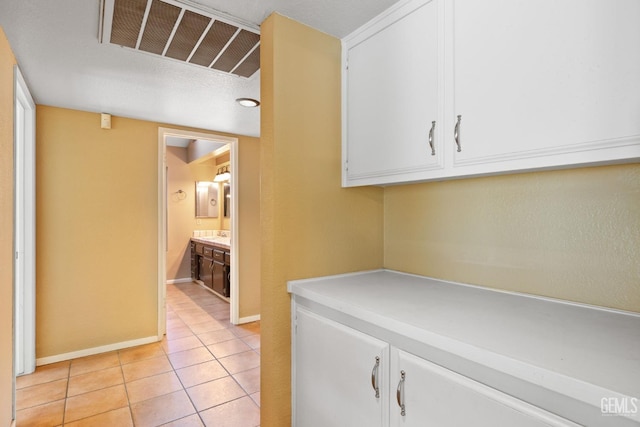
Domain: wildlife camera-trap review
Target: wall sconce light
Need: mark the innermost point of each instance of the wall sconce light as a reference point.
(222, 175)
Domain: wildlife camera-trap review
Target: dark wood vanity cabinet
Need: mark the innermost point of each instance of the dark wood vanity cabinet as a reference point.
(194, 262)
(210, 265)
(219, 276)
(205, 271)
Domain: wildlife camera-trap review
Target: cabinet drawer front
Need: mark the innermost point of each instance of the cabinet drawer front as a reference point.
(218, 255)
(199, 248)
(227, 258)
(208, 251)
(433, 395)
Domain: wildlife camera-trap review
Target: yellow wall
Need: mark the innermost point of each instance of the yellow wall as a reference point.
(570, 234)
(7, 62)
(310, 225)
(97, 230)
(96, 238)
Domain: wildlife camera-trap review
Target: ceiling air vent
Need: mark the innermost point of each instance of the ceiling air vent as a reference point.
(182, 32)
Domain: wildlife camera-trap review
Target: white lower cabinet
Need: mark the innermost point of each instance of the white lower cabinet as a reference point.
(337, 370)
(426, 394)
(444, 354)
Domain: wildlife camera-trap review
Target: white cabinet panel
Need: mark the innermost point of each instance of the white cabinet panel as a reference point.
(435, 396)
(392, 96)
(537, 85)
(333, 375)
(536, 80)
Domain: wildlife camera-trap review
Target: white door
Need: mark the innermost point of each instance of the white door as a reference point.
(24, 241)
(535, 80)
(335, 369)
(435, 396)
(393, 97)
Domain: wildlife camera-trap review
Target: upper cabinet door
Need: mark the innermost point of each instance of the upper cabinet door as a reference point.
(392, 97)
(544, 83)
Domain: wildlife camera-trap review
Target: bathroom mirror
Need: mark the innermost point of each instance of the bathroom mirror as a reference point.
(227, 200)
(206, 199)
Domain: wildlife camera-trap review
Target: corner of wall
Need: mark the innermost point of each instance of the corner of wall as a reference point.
(310, 225)
(7, 64)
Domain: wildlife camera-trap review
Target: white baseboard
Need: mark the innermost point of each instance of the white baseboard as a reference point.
(248, 319)
(96, 350)
(174, 281)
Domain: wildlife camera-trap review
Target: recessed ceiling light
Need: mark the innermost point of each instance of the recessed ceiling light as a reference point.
(247, 102)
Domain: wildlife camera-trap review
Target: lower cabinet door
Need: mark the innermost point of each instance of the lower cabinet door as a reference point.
(335, 371)
(206, 271)
(435, 396)
(218, 277)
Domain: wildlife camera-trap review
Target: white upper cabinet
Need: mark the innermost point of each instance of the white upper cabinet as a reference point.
(545, 83)
(534, 85)
(392, 113)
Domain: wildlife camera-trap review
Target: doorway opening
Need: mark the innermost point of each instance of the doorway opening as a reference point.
(24, 229)
(164, 135)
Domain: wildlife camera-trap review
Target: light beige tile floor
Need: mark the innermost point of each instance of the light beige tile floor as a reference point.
(206, 372)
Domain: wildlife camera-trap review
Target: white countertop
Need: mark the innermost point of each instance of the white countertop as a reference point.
(221, 241)
(582, 351)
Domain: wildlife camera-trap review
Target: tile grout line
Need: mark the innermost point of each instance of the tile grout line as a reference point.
(183, 387)
(126, 390)
(66, 393)
(180, 379)
(189, 303)
(229, 374)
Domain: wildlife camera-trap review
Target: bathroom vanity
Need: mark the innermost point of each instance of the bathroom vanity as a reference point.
(211, 264)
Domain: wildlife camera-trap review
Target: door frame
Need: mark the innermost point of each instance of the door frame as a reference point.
(24, 239)
(163, 133)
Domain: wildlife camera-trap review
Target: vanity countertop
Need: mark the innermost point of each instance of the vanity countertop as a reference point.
(220, 241)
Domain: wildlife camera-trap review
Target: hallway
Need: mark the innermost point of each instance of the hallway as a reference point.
(205, 372)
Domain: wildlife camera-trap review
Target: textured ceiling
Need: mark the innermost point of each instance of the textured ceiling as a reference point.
(56, 45)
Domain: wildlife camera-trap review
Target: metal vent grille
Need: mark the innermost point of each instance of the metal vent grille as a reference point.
(181, 32)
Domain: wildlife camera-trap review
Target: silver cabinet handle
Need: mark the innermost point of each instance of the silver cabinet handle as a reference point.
(456, 133)
(374, 377)
(433, 128)
(400, 394)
